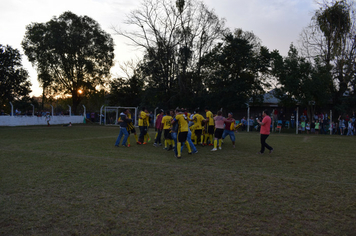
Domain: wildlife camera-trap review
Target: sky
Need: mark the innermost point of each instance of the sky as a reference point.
(278, 23)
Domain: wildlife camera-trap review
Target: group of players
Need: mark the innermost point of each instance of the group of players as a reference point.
(179, 127)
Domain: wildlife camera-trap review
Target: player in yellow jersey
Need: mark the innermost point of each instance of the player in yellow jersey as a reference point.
(166, 126)
(210, 126)
(158, 129)
(131, 129)
(198, 121)
(147, 136)
(182, 131)
(143, 124)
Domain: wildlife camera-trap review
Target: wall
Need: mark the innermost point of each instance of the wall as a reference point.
(34, 120)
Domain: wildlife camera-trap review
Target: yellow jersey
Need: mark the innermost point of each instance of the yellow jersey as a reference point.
(166, 121)
(143, 119)
(209, 115)
(182, 122)
(198, 119)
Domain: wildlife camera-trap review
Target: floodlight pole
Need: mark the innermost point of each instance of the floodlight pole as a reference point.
(297, 121)
(33, 109)
(248, 117)
(331, 118)
(52, 110)
(154, 119)
(272, 118)
(136, 112)
(85, 111)
(101, 113)
(117, 115)
(70, 110)
(12, 109)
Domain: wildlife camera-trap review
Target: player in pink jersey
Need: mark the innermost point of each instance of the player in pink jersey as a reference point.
(265, 131)
(219, 130)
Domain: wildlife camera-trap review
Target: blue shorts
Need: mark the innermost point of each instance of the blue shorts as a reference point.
(230, 133)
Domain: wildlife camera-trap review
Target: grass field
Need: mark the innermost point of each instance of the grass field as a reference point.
(73, 181)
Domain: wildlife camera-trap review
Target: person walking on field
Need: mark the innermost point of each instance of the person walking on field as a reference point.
(265, 131)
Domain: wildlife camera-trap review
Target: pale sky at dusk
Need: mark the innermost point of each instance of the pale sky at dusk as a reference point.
(277, 23)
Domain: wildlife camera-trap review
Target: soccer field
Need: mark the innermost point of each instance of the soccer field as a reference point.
(72, 181)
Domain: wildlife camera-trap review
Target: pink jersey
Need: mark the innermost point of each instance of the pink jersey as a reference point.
(219, 122)
(265, 129)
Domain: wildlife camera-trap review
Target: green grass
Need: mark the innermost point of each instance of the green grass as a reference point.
(73, 181)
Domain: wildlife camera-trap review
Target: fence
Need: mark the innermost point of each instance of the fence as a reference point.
(40, 120)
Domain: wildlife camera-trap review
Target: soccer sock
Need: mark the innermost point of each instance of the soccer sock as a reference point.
(179, 146)
(195, 140)
(220, 142)
(128, 140)
(206, 139)
(156, 135)
(173, 144)
(136, 137)
(215, 143)
(211, 138)
(165, 143)
(201, 139)
(148, 137)
(188, 146)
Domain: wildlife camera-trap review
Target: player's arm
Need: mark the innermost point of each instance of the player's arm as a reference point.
(261, 123)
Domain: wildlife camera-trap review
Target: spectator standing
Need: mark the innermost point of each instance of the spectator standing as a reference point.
(275, 114)
(292, 118)
(317, 126)
(307, 127)
(244, 123)
(341, 125)
(312, 127)
(350, 128)
(250, 123)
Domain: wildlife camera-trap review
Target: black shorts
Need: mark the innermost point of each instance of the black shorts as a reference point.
(167, 134)
(182, 137)
(219, 133)
(198, 132)
(132, 131)
(211, 129)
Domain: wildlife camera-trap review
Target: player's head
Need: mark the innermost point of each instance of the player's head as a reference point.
(168, 112)
(219, 113)
(206, 108)
(265, 112)
(161, 112)
(230, 114)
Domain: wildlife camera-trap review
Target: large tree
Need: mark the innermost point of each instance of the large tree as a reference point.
(302, 82)
(234, 70)
(14, 82)
(174, 35)
(72, 54)
(331, 38)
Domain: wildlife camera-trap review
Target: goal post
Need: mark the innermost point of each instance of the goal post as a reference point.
(111, 114)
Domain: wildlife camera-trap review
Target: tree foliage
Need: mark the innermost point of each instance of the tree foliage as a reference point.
(14, 82)
(174, 35)
(331, 39)
(302, 82)
(71, 53)
(234, 70)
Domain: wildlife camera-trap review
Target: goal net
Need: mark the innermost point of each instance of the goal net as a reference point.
(110, 115)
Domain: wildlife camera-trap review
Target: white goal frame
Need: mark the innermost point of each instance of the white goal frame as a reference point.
(116, 109)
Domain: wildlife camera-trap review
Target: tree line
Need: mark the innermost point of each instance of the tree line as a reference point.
(190, 59)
